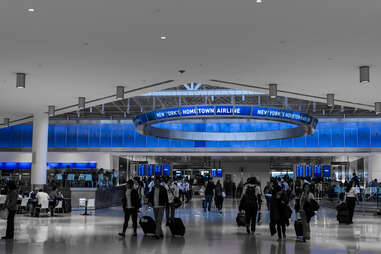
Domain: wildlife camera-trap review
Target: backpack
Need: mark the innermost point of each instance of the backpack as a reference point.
(251, 196)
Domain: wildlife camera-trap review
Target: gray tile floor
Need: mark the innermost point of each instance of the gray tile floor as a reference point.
(206, 233)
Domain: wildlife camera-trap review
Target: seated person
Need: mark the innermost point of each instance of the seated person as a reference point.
(55, 197)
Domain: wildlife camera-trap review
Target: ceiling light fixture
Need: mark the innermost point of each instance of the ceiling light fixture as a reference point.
(163, 37)
(330, 100)
(20, 80)
(259, 1)
(364, 74)
(31, 10)
(81, 102)
(377, 107)
(51, 110)
(273, 91)
(120, 92)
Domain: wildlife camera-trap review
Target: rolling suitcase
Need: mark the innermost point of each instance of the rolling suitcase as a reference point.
(176, 226)
(343, 213)
(241, 220)
(298, 225)
(147, 224)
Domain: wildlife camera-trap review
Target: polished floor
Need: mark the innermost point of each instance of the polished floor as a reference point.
(206, 233)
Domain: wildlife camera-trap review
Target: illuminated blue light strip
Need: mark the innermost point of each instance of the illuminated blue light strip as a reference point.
(305, 123)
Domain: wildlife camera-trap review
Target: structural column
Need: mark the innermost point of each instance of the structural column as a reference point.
(374, 167)
(39, 149)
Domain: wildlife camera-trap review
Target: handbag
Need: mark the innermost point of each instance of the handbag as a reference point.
(4, 214)
(223, 194)
(177, 202)
(314, 205)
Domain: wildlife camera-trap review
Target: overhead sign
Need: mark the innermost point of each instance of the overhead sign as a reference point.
(305, 123)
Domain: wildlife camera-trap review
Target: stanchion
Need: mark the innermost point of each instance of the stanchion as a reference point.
(85, 214)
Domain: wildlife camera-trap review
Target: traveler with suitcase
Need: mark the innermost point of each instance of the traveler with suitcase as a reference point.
(158, 199)
(306, 210)
(131, 204)
(249, 203)
(279, 211)
(350, 198)
(173, 199)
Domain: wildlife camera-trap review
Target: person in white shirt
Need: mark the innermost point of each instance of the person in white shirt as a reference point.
(350, 198)
(42, 196)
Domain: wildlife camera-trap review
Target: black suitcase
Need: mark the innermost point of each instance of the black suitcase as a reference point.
(343, 216)
(241, 220)
(147, 224)
(176, 226)
(343, 213)
(298, 225)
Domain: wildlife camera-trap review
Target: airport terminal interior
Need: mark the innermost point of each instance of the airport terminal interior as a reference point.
(173, 126)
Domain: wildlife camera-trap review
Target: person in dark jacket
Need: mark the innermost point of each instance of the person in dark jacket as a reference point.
(158, 199)
(279, 211)
(218, 196)
(131, 204)
(250, 202)
(11, 203)
(209, 193)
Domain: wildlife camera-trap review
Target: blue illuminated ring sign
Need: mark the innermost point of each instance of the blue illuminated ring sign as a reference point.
(304, 123)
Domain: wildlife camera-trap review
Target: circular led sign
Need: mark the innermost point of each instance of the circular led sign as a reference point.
(304, 124)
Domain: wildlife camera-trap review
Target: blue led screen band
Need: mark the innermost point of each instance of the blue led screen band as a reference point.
(304, 123)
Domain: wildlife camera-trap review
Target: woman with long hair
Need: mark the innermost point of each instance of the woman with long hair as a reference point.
(350, 198)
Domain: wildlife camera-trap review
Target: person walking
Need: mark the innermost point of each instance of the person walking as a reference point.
(249, 203)
(279, 211)
(202, 195)
(268, 193)
(158, 198)
(11, 204)
(234, 189)
(209, 193)
(173, 197)
(218, 196)
(305, 212)
(350, 199)
(131, 204)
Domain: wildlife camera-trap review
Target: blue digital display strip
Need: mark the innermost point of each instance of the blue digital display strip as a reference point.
(51, 165)
(226, 110)
(308, 171)
(317, 171)
(151, 170)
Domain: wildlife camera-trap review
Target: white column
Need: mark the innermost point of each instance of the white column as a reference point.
(39, 148)
(374, 167)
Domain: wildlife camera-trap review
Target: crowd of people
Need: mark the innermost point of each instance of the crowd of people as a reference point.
(165, 195)
(283, 197)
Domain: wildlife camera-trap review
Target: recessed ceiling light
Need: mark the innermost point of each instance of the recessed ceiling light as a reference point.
(259, 1)
(31, 10)
(163, 37)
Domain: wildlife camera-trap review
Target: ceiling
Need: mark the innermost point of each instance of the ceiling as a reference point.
(85, 48)
(169, 98)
